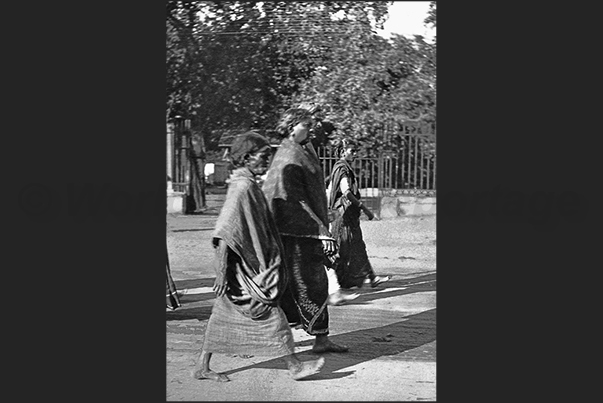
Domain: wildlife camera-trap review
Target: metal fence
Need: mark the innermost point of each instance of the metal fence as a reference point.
(180, 164)
(410, 169)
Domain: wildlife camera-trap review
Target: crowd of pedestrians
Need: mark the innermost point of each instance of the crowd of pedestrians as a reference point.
(285, 248)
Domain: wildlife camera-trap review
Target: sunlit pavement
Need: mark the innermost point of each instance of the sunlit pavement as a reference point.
(391, 329)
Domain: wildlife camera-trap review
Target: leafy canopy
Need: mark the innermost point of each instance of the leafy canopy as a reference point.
(236, 65)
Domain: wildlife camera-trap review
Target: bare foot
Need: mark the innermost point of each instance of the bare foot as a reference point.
(377, 280)
(307, 369)
(340, 298)
(199, 373)
(328, 347)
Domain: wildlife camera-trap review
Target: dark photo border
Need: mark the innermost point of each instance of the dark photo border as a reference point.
(515, 176)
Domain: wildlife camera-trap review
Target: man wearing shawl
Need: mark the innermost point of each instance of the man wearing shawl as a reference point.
(294, 188)
(250, 273)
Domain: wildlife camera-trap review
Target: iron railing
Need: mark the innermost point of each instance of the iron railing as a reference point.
(410, 169)
(181, 165)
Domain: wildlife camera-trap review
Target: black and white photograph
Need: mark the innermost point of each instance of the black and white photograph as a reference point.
(282, 158)
(301, 201)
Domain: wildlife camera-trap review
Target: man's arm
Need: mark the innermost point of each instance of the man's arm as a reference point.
(220, 265)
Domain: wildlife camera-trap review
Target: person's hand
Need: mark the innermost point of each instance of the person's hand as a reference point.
(329, 247)
(220, 285)
(368, 212)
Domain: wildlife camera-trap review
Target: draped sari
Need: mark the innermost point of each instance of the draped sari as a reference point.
(294, 188)
(353, 265)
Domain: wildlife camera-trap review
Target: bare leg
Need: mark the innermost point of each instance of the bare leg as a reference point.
(333, 281)
(202, 370)
(299, 370)
(322, 344)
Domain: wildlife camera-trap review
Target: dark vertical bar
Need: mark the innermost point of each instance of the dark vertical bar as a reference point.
(422, 148)
(411, 160)
(379, 172)
(385, 173)
(400, 167)
(360, 184)
(416, 162)
(185, 171)
(365, 164)
(371, 175)
(402, 160)
(375, 175)
(323, 162)
(179, 151)
(435, 158)
(392, 172)
(432, 171)
(388, 172)
(385, 180)
(374, 172)
(409, 154)
(396, 183)
(395, 170)
(178, 164)
(405, 158)
(333, 158)
(179, 174)
(428, 168)
(175, 153)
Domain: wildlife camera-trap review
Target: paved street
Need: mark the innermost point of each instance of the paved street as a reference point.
(391, 329)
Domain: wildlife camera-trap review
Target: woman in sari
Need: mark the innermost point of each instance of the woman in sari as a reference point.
(353, 267)
(294, 188)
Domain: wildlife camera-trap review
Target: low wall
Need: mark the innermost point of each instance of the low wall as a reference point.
(396, 204)
(175, 202)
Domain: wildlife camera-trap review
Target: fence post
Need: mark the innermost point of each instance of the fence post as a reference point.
(380, 172)
(184, 151)
(170, 152)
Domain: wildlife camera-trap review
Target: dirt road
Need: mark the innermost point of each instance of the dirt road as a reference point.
(391, 330)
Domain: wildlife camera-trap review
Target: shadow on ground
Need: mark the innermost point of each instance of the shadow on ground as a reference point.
(199, 313)
(392, 289)
(387, 290)
(194, 283)
(193, 229)
(414, 331)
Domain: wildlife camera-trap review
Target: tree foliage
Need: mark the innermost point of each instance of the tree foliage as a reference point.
(431, 15)
(238, 64)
